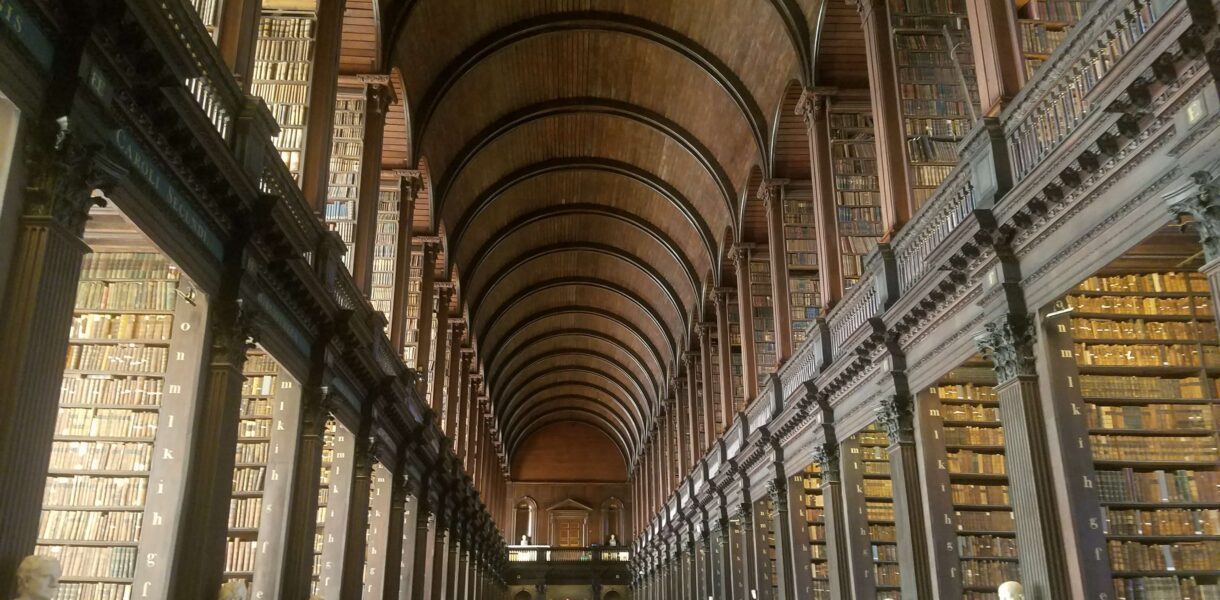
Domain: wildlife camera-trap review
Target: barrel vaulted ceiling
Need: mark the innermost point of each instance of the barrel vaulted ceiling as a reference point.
(589, 163)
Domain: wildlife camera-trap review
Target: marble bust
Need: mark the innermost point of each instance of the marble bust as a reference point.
(38, 578)
(1011, 590)
(233, 590)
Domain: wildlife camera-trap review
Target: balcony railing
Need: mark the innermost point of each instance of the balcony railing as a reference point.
(555, 554)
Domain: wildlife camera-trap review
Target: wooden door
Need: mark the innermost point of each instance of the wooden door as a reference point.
(569, 532)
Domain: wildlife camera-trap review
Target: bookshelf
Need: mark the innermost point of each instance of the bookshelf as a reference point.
(856, 187)
(385, 253)
(735, 364)
(763, 310)
(259, 411)
(116, 399)
(801, 257)
(209, 14)
(869, 498)
(343, 183)
(969, 438)
(1145, 353)
(1043, 25)
(410, 343)
(937, 86)
(812, 510)
(283, 66)
(319, 536)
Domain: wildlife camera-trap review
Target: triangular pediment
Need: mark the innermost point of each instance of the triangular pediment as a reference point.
(569, 504)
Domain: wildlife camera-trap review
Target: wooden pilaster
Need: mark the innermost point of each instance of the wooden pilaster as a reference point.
(277, 495)
(238, 36)
(691, 360)
(302, 509)
(710, 433)
(426, 290)
(421, 571)
(772, 194)
(380, 517)
(378, 96)
(725, 350)
(745, 308)
(453, 384)
(812, 106)
(897, 416)
(343, 479)
(357, 519)
(324, 84)
(785, 546)
(408, 186)
(996, 42)
(440, 362)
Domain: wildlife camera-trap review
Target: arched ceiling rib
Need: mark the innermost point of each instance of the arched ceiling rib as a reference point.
(589, 161)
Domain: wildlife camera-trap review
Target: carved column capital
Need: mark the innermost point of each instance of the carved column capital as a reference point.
(1009, 343)
(777, 489)
(826, 455)
(62, 175)
(812, 106)
(745, 512)
(771, 190)
(231, 325)
(896, 414)
(431, 248)
(1200, 200)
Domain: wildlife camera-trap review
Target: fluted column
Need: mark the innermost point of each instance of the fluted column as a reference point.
(427, 291)
(421, 570)
(39, 297)
(738, 563)
(306, 481)
(381, 497)
(1200, 200)
(682, 444)
(339, 498)
(394, 556)
(378, 96)
(837, 560)
(897, 417)
(892, 170)
(1027, 453)
(764, 586)
(441, 539)
(781, 526)
(320, 122)
(725, 349)
(452, 389)
(812, 107)
(745, 308)
(772, 194)
(281, 460)
(461, 434)
(357, 518)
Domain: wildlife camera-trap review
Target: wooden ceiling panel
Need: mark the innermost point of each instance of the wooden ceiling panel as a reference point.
(573, 139)
(567, 323)
(840, 60)
(360, 47)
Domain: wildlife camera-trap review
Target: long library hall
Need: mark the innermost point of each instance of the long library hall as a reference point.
(610, 299)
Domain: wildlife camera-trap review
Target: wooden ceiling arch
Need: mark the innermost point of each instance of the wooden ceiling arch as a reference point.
(588, 168)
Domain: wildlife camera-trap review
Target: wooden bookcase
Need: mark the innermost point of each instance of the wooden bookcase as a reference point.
(1044, 24)
(717, 395)
(853, 151)
(801, 256)
(813, 519)
(209, 14)
(1146, 362)
(410, 342)
(937, 86)
(385, 253)
(735, 367)
(319, 536)
(869, 501)
(116, 434)
(343, 189)
(763, 309)
(283, 69)
(959, 427)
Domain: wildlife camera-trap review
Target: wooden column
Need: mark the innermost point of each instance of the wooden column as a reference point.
(812, 106)
(426, 289)
(665, 456)
(760, 560)
(421, 570)
(709, 562)
(896, 415)
(281, 461)
(196, 563)
(892, 165)
(238, 36)
(357, 521)
(692, 411)
(440, 363)
(440, 555)
(749, 362)
(395, 557)
(39, 297)
(709, 398)
(378, 96)
(408, 186)
(800, 559)
(738, 572)
(772, 194)
(1041, 546)
(320, 122)
(944, 557)
(725, 349)
(302, 509)
(998, 62)
(785, 547)
(465, 411)
(453, 564)
(380, 518)
(837, 559)
(457, 329)
(338, 507)
(682, 447)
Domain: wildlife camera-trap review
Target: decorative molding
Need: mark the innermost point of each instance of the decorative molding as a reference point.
(1009, 343)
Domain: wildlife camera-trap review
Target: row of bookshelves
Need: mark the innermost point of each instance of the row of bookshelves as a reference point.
(385, 251)
(283, 70)
(857, 189)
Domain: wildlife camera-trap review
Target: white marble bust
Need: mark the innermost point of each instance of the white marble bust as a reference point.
(1011, 590)
(233, 590)
(38, 578)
